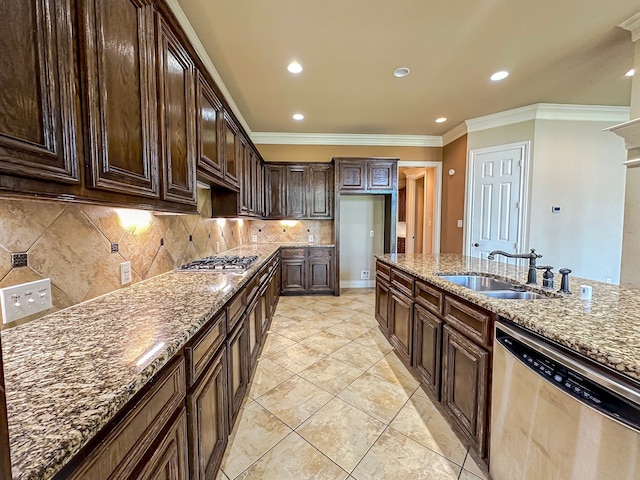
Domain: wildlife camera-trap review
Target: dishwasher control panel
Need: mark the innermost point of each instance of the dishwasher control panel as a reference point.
(573, 383)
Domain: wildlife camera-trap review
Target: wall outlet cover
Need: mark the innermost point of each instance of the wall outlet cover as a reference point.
(310, 238)
(125, 273)
(254, 238)
(364, 274)
(22, 300)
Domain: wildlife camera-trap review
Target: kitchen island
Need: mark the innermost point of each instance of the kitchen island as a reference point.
(605, 329)
(70, 373)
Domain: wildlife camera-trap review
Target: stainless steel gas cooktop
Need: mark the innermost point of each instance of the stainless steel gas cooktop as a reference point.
(226, 263)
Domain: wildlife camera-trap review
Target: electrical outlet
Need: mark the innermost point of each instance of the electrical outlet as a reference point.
(254, 238)
(20, 301)
(364, 274)
(217, 247)
(459, 223)
(372, 234)
(609, 280)
(310, 238)
(18, 260)
(125, 273)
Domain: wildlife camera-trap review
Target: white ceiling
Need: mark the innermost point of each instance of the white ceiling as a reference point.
(558, 51)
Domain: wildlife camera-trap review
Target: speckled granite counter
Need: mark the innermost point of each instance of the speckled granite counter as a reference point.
(605, 329)
(67, 374)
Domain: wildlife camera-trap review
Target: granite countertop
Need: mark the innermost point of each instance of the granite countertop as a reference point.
(605, 329)
(68, 373)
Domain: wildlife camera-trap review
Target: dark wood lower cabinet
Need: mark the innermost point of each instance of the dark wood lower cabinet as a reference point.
(465, 379)
(382, 305)
(308, 270)
(401, 325)
(427, 348)
(169, 460)
(255, 331)
(207, 406)
(294, 275)
(238, 368)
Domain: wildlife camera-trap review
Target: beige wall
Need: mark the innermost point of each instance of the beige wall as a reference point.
(578, 167)
(454, 156)
(71, 244)
(359, 214)
(517, 132)
(324, 153)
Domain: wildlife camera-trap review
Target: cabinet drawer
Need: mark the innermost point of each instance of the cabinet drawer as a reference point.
(428, 296)
(473, 322)
(235, 309)
(383, 270)
(130, 439)
(319, 252)
(199, 352)
(294, 253)
(402, 281)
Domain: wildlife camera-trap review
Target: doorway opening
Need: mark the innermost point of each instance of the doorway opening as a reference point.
(419, 197)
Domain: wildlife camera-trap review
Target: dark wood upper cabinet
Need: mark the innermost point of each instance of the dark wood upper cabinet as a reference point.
(381, 175)
(231, 157)
(118, 56)
(275, 191)
(296, 194)
(208, 129)
(177, 122)
(38, 91)
(367, 174)
(320, 196)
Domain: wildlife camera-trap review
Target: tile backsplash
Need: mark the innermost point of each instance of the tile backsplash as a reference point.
(292, 231)
(71, 244)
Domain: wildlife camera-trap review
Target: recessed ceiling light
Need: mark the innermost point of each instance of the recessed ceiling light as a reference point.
(401, 72)
(501, 75)
(441, 120)
(294, 67)
(630, 73)
(298, 116)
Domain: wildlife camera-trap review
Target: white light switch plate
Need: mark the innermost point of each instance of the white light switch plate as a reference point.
(310, 238)
(22, 300)
(254, 238)
(125, 273)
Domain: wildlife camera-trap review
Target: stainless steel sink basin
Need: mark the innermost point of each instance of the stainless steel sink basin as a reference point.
(477, 282)
(511, 295)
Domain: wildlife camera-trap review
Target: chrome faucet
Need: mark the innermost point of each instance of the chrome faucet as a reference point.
(532, 256)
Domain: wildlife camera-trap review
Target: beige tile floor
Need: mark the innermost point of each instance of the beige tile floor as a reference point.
(330, 400)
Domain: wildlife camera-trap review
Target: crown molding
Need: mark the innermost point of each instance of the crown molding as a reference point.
(550, 111)
(276, 138)
(454, 134)
(204, 56)
(633, 25)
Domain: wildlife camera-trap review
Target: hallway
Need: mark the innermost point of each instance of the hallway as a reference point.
(330, 400)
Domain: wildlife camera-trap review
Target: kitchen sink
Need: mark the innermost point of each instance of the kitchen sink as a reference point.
(478, 282)
(513, 295)
(494, 288)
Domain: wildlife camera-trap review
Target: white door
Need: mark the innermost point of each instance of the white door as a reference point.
(495, 210)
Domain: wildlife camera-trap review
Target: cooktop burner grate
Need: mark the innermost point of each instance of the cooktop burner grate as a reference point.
(226, 263)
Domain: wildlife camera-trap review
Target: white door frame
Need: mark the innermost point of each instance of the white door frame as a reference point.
(523, 201)
(438, 206)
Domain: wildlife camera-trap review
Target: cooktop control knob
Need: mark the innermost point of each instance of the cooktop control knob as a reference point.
(558, 378)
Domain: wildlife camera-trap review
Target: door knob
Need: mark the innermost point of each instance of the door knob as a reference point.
(476, 244)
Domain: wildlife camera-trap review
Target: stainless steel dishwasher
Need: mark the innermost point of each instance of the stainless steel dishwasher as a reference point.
(554, 417)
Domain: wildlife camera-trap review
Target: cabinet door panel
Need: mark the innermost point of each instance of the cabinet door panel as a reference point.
(238, 368)
(293, 275)
(39, 121)
(169, 460)
(320, 275)
(382, 305)
(231, 159)
(209, 111)
(121, 96)
(177, 122)
(401, 325)
(255, 332)
(296, 185)
(427, 341)
(380, 175)
(320, 191)
(464, 385)
(208, 410)
(352, 176)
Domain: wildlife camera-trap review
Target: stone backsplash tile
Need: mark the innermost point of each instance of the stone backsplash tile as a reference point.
(293, 231)
(71, 244)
